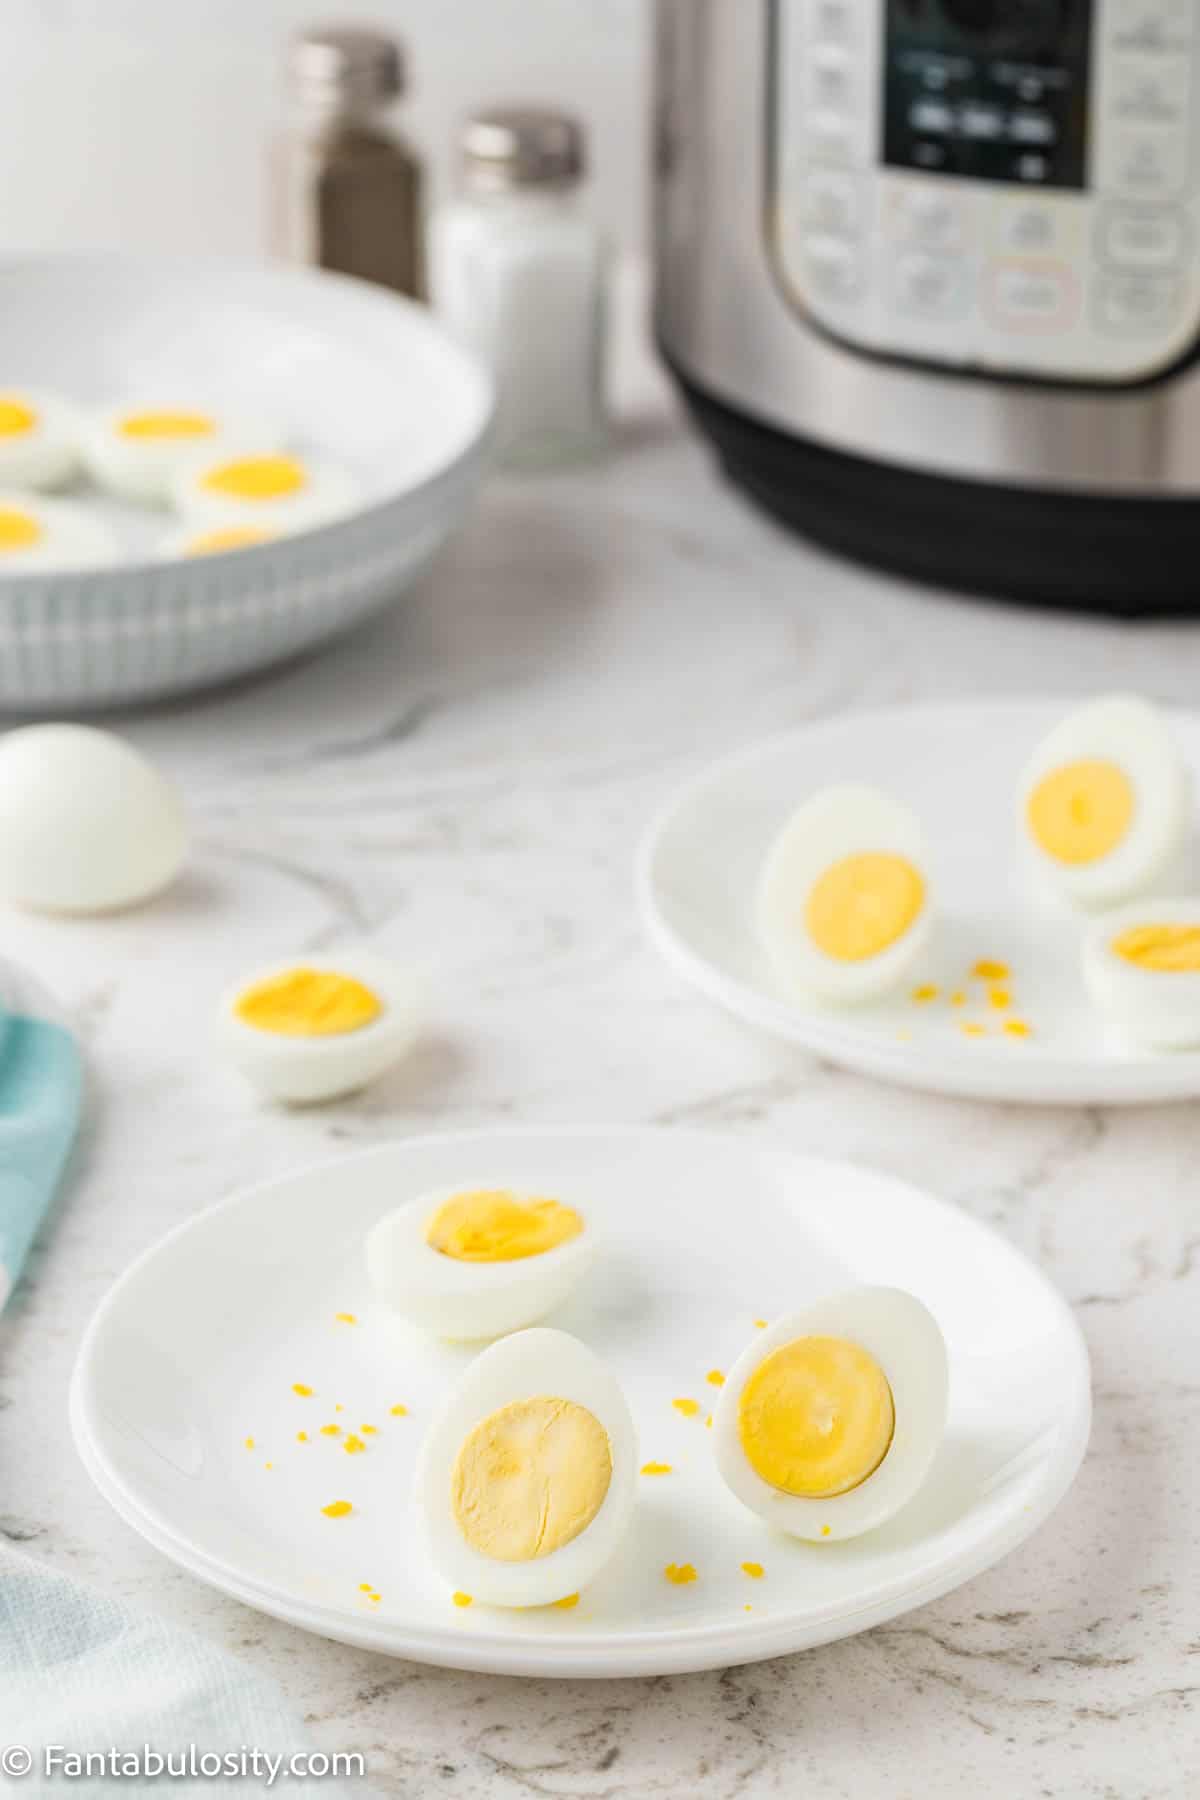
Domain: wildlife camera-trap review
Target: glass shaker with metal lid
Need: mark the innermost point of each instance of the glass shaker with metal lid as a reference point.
(346, 188)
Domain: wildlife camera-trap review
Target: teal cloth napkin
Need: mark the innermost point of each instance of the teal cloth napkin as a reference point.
(85, 1672)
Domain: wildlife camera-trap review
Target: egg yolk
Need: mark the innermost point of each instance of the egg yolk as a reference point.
(257, 478)
(816, 1417)
(167, 425)
(308, 1003)
(1081, 812)
(1164, 949)
(863, 904)
(529, 1478)
(227, 537)
(16, 418)
(18, 530)
(494, 1226)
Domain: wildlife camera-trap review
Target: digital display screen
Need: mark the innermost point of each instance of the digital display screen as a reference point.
(996, 90)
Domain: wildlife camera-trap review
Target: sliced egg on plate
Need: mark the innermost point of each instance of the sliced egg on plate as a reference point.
(316, 1029)
(843, 907)
(828, 1423)
(138, 449)
(261, 485)
(39, 439)
(476, 1261)
(1104, 803)
(216, 540)
(40, 536)
(1141, 966)
(526, 1479)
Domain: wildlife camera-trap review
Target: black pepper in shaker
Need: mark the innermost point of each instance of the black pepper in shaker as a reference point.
(346, 189)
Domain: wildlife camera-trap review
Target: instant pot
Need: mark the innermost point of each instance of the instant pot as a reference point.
(928, 272)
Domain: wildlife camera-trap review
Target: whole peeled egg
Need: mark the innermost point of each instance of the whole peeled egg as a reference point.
(87, 823)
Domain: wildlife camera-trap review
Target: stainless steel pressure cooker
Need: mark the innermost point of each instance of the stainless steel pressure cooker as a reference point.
(929, 274)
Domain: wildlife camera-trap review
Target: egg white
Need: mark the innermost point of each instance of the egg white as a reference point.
(1127, 731)
(143, 469)
(837, 822)
(71, 538)
(330, 492)
(467, 1299)
(47, 454)
(304, 1070)
(523, 1367)
(1153, 1007)
(904, 1338)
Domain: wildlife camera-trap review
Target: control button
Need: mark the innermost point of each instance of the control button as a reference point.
(833, 269)
(1155, 26)
(931, 214)
(1144, 240)
(1145, 159)
(1150, 90)
(830, 140)
(832, 21)
(1032, 296)
(930, 287)
(830, 83)
(1131, 304)
(832, 204)
(1041, 226)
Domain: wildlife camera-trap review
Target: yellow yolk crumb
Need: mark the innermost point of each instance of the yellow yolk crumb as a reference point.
(308, 1003)
(370, 1430)
(166, 425)
(1018, 1028)
(986, 970)
(679, 1574)
(689, 1408)
(302, 1437)
(760, 1324)
(825, 1530)
(257, 478)
(1162, 949)
(331, 1431)
(529, 1478)
(16, 418)
(715, 1378)
(1000, 998)
(461, 1599)
(299, 1387)
(337, 1509)
(958, 998)
(747, 1607)
(345, 1319)
(249, 1443)
(708, 1421)
(1079, 813)
(925, 993)
(339, 1407)
(753, 1570)
(861, 905)
(816, 1417)
(366, 1587)
(353, 1445)
(18, 530)
(227, 537)
(653, 1468)
(493, 1225)
(399, 1412)
(972, 1030)
(567, 1602)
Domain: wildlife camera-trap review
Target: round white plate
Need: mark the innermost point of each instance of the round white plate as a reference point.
(198, 1346)
(344, 370)
(957, 767)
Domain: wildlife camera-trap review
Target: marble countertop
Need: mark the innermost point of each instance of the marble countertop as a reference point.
(464, 783)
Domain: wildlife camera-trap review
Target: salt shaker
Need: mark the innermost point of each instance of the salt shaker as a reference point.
(345, 186)
(518, 275)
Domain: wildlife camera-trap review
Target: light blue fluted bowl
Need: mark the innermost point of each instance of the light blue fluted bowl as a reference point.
(347, 371)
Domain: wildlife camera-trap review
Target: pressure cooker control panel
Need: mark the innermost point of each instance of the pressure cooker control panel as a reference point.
(1009, 185)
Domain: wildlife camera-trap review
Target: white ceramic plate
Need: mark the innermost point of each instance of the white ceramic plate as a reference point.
(198, 1346)
(957, 767)
(347, 371)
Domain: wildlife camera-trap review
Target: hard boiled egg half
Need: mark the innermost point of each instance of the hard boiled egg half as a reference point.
(39, 439)
(526, 1479)
(138, 449)
(477, 1261)
(1104, 803)
(843, 908)
(263, 486)
(828, 1423)
(39, 536)
(316, 1029)
(1141, 966)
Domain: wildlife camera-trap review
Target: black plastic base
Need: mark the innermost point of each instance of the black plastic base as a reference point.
(1129, 556)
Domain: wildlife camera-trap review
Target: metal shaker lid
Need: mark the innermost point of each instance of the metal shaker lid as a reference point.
(338, 66)
(510, 147)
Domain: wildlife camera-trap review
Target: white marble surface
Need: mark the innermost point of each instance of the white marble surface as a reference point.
(464, 784)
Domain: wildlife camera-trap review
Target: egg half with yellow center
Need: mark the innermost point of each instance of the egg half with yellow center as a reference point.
(843, 908)
(38, 536)
(477, 1260)
(1141, 965)
(1104, 803)
(830, 1420)
(526, 1479)
(217, 540)
(317, 1028)
(137, 449)
(39, 439)
(263, 486)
